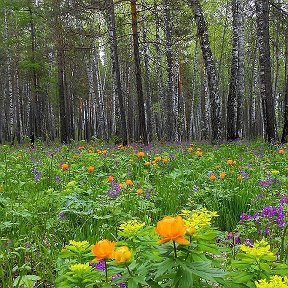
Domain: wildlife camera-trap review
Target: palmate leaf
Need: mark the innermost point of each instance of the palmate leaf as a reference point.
(184, 278)
(241, 277)
(204, 270)
(164, 268)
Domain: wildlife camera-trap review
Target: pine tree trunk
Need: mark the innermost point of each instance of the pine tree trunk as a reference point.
(214, 97)
(268, 105)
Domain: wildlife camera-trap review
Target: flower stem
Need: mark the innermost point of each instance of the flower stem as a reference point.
(129, 271)
(283, 244)
(106, 270)
(175, 251)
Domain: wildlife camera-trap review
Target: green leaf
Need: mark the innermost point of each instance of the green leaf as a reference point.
(241, 277)
(28, 281)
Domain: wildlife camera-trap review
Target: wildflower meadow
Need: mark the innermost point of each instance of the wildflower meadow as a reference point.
(174, 215)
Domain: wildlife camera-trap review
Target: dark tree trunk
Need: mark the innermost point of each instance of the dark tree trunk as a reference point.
(116, 69)
(170, 125)
(64, 125)
(284, 138)
(211, 71)
(33, 125)
(141, 107)
(262, 13)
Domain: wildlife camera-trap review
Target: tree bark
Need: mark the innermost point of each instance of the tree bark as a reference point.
(214, 97)
(116, 69)
(141, 106)
(262, 13)
(284, 138)
(170, 124)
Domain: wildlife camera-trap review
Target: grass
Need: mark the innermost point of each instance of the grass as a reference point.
(34, 190)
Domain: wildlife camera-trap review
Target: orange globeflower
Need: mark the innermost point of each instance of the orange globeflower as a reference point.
(199, 153)
(103, 249)
(171, 228)
(281, 151)
(212, 177)
(222, 175)
(139, 191)
(129, 182)
(147, 163)
(165, 160)
(110, 178)
(141, 154)
(231, 162)
(122, 255)
(65, 166)
(157, 158)
(121, 185)
(90, 169)
(190, 149)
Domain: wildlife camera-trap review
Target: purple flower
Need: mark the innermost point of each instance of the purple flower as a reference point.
(61, 215)
(27, 244)
(249, 243)
(284, 200)
(264, 183)
(100, 265)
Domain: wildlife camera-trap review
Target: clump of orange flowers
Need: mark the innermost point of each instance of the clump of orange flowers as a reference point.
(129, 182)
(141, 154)
(231, 162)
(65, 166)
(90, 169)
(199, 152)
(103, 249)
(172, 229)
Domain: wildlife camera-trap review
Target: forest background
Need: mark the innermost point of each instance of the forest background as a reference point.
(143, 71)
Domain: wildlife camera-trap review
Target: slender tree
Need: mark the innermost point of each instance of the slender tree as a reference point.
(262, 13)
(141, 107)
(115, 68)
(236, 88)
(214, 96)
(284, 138)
